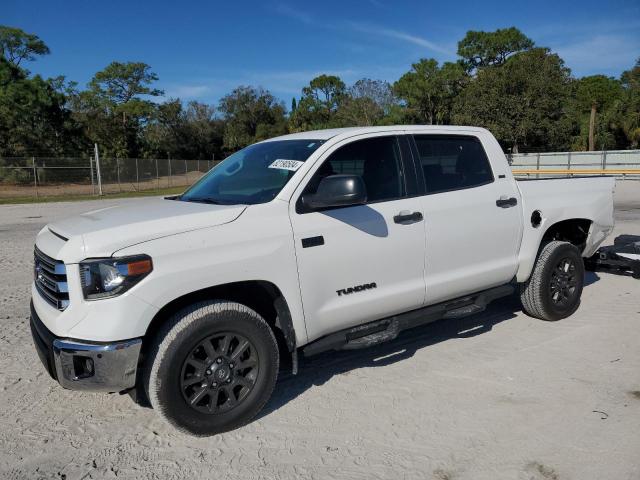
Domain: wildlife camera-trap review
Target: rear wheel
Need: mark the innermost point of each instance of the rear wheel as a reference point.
(554, 289)
(212, 368)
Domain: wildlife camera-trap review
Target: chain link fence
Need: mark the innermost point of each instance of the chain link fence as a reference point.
(22, 177)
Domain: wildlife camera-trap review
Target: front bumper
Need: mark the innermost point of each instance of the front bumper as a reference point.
(79, 365)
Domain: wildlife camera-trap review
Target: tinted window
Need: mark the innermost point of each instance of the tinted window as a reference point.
(452, 162)
(255, 174)
(376, 160)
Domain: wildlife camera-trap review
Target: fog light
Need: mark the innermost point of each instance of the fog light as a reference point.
(83, 367)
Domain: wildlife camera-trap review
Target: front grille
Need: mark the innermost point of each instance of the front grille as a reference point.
(50, 277)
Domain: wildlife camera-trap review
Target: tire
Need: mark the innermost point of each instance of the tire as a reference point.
(551, 293)
(211, 368)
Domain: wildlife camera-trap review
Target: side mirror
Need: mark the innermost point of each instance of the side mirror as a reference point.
(337, 191)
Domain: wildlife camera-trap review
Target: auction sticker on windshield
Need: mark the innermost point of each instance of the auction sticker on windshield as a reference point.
(283, 164)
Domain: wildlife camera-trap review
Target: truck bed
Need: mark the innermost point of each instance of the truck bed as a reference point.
(557, 199)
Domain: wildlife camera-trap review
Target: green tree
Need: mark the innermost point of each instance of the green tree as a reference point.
(33, 117)
(629, 109)
(522, 102)
(481, 49)
(319, 103)
(596, 93)
(164, 132)
(17, 45)
(204, 131)
(250, 114)
(358, 111)
(115, 107)
(176, 131)
(367, 102)
(120, 83)
(429, 90)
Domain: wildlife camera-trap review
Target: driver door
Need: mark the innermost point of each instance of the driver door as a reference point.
(360, 263)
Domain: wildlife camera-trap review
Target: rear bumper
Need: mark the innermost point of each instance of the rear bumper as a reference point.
(80, 365)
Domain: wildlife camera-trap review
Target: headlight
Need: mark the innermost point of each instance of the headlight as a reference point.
(108, 277)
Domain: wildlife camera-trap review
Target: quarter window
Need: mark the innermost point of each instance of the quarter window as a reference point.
(376, 160)
(452, 162)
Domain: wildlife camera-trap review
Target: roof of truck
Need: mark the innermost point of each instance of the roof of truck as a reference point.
(332, 132)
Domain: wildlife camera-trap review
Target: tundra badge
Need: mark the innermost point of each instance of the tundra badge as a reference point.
(357, 288)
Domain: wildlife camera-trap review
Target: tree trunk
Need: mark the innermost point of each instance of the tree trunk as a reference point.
(592, 126)
(514, 149)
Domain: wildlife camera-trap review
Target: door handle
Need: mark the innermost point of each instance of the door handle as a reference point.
(312, 241)
(406, 217)
(506, 202)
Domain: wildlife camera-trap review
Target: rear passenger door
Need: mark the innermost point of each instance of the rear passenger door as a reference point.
(472, 240)
(364, 262)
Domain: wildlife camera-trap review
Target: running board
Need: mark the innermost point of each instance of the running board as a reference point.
(386, 329)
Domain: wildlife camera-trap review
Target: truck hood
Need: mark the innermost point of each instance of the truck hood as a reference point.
(101, 232)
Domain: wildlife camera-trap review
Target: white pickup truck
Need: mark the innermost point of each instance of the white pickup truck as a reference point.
(309, 242)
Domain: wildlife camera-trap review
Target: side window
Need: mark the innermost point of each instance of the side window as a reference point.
(376, 160)
(452, 162)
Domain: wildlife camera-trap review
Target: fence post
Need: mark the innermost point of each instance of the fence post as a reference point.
(97, 156)
(604, 160)
(157, 175)
(93, 185)
(569, 161)
(169, 179)
(538, 165)
(137, 176)
(118, 174)
(186, 174)
(35, 174)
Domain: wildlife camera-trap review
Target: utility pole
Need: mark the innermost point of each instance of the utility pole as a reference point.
(93, 184)
(35, 174)
(95, 145)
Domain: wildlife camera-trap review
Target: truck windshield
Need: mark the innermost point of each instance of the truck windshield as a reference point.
(255, 174)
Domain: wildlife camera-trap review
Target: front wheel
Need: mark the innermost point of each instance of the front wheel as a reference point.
(554, 288)
(211, 368)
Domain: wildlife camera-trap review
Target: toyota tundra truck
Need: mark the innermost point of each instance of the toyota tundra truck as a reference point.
(304, 243)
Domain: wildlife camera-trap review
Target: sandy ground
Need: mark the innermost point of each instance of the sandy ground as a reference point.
(496, 396)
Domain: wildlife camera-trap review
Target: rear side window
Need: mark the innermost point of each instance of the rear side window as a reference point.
(376, 160)
(452, 162)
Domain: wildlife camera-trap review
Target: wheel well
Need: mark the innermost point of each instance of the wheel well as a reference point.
(262, 296)
(574, 230)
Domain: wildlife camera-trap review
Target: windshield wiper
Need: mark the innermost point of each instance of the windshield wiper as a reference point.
(210, 200)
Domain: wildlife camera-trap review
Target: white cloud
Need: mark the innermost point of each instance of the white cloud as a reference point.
(399, 35)
(544, 33)
(187, 91)
(360, 27)
(296, 14)
(609, 54)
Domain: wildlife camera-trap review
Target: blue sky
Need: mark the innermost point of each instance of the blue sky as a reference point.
(203, 49)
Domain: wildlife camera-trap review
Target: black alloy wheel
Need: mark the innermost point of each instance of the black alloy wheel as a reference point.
(219, 373)
(564, 282)
(554, 288)
(211, 367)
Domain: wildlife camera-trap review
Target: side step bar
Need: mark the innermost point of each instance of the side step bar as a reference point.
(387, 329)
